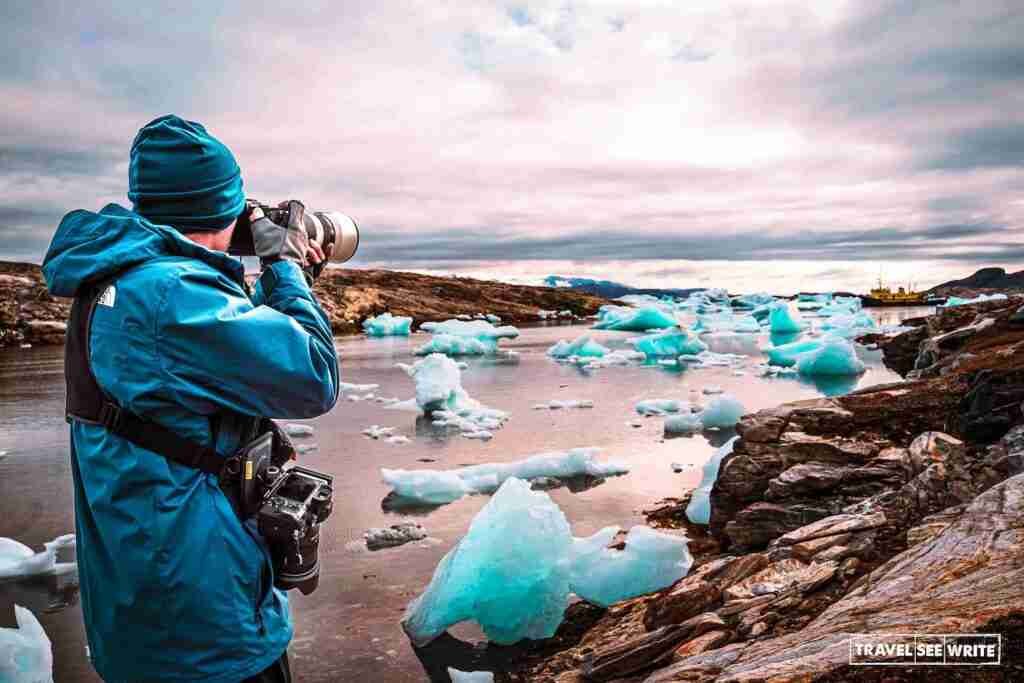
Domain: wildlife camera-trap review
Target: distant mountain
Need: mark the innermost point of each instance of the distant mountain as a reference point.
(986, 278)
(612, 290)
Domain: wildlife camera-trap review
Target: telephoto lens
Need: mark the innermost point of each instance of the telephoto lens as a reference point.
(322, 227)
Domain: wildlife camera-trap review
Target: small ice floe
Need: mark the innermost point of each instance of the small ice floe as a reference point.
(711, 390)
(613, 358)
(298, 430)
(678, 467)
(611, 317)
(439, 393)
(470, 676)
(516, 566)
(387, 325)
(25, 652)
(675, 341)
(464, 337)
(394, 535)
(18, 561)
(435, 487)
(722, 412)
(699, 509)
(306, 448)
(556, 404)
(378, 432)
(658, 406)
(684, 423)
(346, 387)
(493, 319)
(582, 347)
(398, 440)
(356, 397)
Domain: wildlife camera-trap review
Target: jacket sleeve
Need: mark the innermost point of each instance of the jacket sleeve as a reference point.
(272, 355)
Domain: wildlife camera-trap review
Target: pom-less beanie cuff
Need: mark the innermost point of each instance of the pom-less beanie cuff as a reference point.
(180, 175)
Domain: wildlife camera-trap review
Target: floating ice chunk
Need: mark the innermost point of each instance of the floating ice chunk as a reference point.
(699, 509)
(514, 569)
(443, 486)
(306, 448)
(684, 423)
(298, 430)
(751, 301)
(509, 573)
(650, 561)
(711, 389)
(19, 561)
(348, 388)
(722, 412)
(387, 325)
(849, 325)
(492, 319)
(464, 337)
(617, 357)
(394, 535)
(397, 439)
(834, 357)
(958, 301)
(786, 355)
(25, 652)
(784, 318)
(378, 432)
(675, 341)
(582, 347)
(556, 404)
(634, 319)
(439, 393)
(658, 406)
(470, 676)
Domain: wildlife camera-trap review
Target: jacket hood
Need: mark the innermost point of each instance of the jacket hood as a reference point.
(89, 247)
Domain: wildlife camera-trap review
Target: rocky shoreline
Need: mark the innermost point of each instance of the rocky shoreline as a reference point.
(29, 315)
(894, 509)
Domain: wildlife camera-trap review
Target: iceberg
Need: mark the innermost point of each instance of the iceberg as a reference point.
(436, 487)
(514, 569)
(849, 325)
(658, 406)
(751, 301)
(699, 509)
(387, 325)
(582, 347)
(464, 337)
(786, 355)
(649, 561)
(18, 561)
(683, 423)
(675, 341)
(439, 393)
(556, 404)
(958, 301)
(634, 319)
(360, 388)
(299, 431)
(784, 318)
(394, 535)
(834, 357)
(722, 412)
(25, 652)
(470, 676)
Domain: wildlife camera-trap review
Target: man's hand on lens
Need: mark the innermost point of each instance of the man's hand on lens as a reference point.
(275, 242)
(317, 259)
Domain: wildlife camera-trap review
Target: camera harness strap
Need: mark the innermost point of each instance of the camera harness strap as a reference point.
(86, 401)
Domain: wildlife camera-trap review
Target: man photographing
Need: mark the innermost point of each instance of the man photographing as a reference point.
(173, 366)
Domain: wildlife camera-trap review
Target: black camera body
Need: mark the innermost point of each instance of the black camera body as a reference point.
(322, 228)
(288, 502)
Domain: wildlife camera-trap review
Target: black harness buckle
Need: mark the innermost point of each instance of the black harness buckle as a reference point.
(110, 416)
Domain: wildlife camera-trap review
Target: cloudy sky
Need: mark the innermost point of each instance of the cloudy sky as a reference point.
(761, 144)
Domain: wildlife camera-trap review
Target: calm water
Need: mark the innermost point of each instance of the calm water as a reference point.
(348, 629)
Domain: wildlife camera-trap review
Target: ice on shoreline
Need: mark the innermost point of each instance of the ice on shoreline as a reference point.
(699, 509)
(835, 357)
(387, 325)
(470, 676)
(26, 655)
(516, 566)
(436, 487)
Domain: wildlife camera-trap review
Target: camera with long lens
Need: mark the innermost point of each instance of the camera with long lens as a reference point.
(322, 227)
(289, 504)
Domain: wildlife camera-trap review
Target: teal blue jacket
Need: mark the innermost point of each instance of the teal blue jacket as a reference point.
(174, 587)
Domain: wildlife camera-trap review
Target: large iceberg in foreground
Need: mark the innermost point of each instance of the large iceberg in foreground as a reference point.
(470, 676)
(514, 569)
(650, 561)
(834, 357)
(634, 319)
(699, 509)
(582, 347)
(444, 486)
(25, 654)
(464, 337)
(784, 318)
(675, 341)
(19, 561)
(387, 325)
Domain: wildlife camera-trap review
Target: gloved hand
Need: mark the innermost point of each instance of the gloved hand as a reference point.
(275, 242)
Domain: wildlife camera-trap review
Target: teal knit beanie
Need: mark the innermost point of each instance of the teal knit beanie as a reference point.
(180, 175)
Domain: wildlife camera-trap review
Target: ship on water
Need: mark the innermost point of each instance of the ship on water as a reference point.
(882, 295)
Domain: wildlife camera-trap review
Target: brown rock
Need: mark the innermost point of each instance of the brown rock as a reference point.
(703, 643)
(680, 602)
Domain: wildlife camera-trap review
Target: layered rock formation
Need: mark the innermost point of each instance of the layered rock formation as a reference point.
(29, 315)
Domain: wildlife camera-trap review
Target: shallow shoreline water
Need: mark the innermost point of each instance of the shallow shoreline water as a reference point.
(349, 628)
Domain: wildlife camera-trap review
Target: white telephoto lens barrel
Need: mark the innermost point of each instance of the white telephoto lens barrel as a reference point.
(346, 234)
